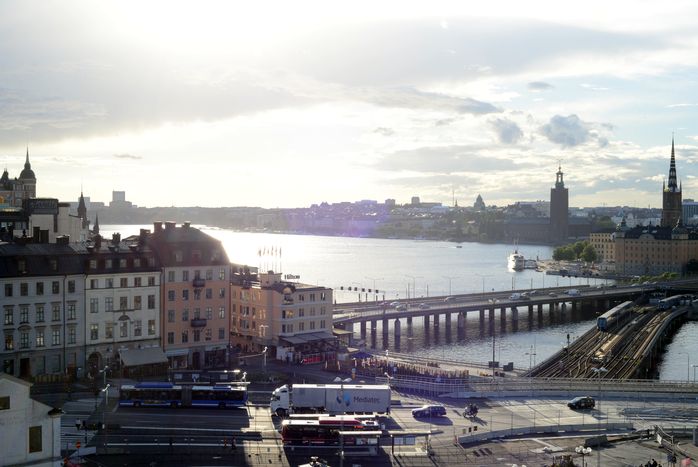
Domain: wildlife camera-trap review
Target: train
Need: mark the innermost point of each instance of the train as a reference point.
(609, 319)
(669, 302)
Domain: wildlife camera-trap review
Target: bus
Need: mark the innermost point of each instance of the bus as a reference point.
(324, 431)
(174, 395)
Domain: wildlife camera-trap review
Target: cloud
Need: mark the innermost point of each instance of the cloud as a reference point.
(508, 132)
(127, 156)
(567, 131)
(411, 98)
(539, 86)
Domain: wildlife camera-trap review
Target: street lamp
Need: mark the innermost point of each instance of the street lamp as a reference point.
(374, 279)
(694, 372)
(582, 451)
(264, 352)
(494, 304)
(483, 280)
(688, 366)
(449, 282)
(104, 412)
(598, 372)
(414, 285)
(531, 355)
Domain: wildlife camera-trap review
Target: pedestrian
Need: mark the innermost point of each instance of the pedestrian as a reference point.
(233, 446)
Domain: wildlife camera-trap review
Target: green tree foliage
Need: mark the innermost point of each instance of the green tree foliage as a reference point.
(575, 251)
(589, 254)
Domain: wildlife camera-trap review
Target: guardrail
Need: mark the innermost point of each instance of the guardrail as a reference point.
(541, 429)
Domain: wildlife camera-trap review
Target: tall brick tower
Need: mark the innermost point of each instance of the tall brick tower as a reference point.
(559, 210)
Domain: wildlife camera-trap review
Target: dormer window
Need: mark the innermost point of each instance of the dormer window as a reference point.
(21, 265)
(178, 257)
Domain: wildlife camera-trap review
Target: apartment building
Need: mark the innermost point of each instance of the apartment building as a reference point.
(42, 289)
(195, 324)
(293, 321)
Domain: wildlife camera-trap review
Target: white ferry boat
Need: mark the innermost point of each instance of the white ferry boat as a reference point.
(517, 262)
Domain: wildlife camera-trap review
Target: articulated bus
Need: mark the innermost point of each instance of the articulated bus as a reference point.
(174, 395)
(324, 431)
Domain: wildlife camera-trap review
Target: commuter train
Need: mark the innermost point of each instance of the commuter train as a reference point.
(609, 319)
(669, 302)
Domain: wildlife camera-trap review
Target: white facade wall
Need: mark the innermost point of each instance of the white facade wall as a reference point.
(26, 426)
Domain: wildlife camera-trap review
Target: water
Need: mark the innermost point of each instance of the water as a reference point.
(421, 268)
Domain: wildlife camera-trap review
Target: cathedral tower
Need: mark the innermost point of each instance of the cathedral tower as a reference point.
(671, 195)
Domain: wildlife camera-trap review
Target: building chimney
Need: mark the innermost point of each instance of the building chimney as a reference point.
(157, 226)
(170, 225)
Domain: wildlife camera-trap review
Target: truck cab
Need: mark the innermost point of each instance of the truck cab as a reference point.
(280, 401)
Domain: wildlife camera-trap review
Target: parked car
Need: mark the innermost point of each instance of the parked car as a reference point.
(429, 411)
(582, 402)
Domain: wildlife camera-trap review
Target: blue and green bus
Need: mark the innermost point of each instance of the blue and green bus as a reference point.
(164, 394)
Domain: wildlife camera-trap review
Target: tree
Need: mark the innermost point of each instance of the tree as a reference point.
(589, 254)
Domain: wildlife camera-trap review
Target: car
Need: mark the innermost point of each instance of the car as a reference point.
(394, 304)
(423, 306)
(552, 294)
(582, 402)
(401, 307)
(534, 292)
(429, 411)
(450, 299)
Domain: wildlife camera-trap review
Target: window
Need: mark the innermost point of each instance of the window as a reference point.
(312, 311)
(185, 314)
(185, 294)
(137, 282)
(170, 316)
(197, 294)
(24, 340)
(39, 337)
(322, 296)
(71, 310)
(123, 282)
(137, 328)
(151, 327)
(93, 264)
(23, 314)
(197, 313)
(9, 315)
(185, 276)
(109, 330)
(71, 286)
(185, 337)
(221, 275)
(71, 335)
(312, 325)
(322, 324)
(209, 312)
(170, 276)
(151, 302)
(221, 293)
(137, 305)
(8, 290)
(39, 313)
(55, 287)
(312, 297)
(123, 329)
(122, 263)
(301, 326)
(94, 332)
(55, 312)
(22, 265)
(209, 274)
(35, 439)
(197, 335)
(9, 342)
(94, 283)
(301, 312)
(209, 293)
(170, 337)
(109, 283)
(301, 297)
(221, 333)
(322, 310)
(108, 264)
(5, 403)
(123, 303)
(207, 334)
(55, 337)
(178, 256)
(94, 305)
(39, 288)
(151, 281)
(136, 262)
(221, 312)
(24, 289)
(108, 303)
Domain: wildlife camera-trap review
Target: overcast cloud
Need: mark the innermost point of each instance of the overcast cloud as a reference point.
(392, 97)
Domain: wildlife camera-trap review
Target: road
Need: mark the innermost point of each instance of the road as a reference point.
(144, 435)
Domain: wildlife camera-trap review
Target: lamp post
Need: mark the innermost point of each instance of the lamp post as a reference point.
(414, 284)
(482, 276)
(494, 304)
(374, 279)
(449, 282)
(582, 451)
(688, 366)
(104, 412)
(530, 354)
(694, 372)
(264, 365)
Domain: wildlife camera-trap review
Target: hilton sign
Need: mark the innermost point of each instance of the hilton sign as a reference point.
(42, 206)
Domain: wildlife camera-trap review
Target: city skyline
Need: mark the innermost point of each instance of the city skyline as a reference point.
(280, 105)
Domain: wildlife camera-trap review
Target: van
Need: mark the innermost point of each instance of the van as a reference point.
(573, 292)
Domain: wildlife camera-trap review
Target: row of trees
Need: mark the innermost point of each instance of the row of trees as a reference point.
(575, 251)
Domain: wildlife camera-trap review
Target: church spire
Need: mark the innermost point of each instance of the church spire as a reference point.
(672, 170)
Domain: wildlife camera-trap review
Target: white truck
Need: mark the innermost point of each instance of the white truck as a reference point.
(330, 399)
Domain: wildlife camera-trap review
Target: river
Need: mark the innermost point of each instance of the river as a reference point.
(420, 268)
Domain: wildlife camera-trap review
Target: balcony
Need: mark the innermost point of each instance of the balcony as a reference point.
(199, 282)
(198, 323)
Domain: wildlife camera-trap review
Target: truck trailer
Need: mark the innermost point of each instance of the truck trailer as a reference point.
(331, 399)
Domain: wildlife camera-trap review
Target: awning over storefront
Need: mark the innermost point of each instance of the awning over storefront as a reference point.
(308, 337)
(176, 352)
(137, 357)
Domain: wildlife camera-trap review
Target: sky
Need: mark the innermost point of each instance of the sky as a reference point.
(287, 104)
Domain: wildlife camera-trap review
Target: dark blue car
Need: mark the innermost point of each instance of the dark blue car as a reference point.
(429, 411)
